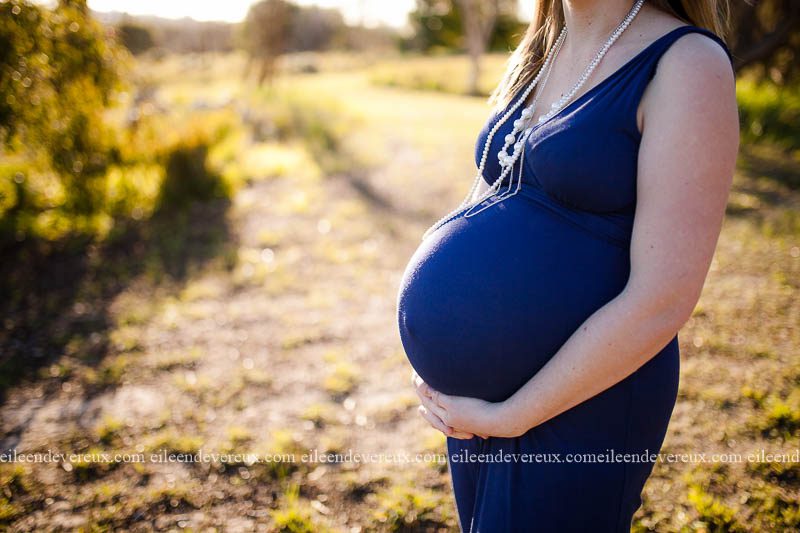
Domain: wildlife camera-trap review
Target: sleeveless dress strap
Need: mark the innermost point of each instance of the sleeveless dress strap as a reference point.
(665, 41)
(624, 93)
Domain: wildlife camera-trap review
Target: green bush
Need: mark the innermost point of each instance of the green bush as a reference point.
(769, 112)
(58, 75)
(188, 177)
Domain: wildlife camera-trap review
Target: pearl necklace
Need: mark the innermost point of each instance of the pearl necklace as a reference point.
(507, 162)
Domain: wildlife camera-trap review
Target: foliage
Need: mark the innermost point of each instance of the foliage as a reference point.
(438, 25)
(765, 39)
(769, 112)
(137, 39)
(265, 31)
(188, 177)
(68, 169)
(58, 73)
(278, 26)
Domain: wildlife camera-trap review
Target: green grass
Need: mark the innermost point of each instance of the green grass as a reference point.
(445, 74)
(408, 508)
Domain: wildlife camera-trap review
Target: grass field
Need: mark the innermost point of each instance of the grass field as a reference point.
(266, 325)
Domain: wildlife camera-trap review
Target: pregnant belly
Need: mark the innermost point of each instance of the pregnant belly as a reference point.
(486, 301)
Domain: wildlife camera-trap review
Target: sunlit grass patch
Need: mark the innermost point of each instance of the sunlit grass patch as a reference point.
(238, 436)
(265, 268)
(777, 471)
(334, 354)
(296, 339)
(256, 377)
(282, 455)
(357, 485)
(755, 395)
(15, 477)
(720, 396)
(194, 383)
(342, 379)
(180, 358)
(111, 371)
(173, 441)
(319, 298)
(181, 496)
(714, 514)
(9, 510)
(335, 440)
(446, 73)
(321, 414)
(346, 210)
(135, 311)
(202, 289)
(406, 507)
(337, 252)
(782, 416)
(298, 201)
(108, 429)
(778, 509)
(126, 339)
(320, 119)
(395, 410)
(107, 497)
(88, 464)
(295, 515)
(16, 484)
(270, 238)
(279, 160)
(115, 505)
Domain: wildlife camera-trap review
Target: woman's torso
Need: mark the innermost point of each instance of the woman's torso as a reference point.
(485, 301)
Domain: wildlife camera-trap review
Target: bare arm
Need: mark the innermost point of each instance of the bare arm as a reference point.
(686, 162)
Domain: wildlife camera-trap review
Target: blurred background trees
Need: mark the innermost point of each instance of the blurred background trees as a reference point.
(266, 33)
(766, 36)
(135, 37)
(439, 25)
(471, 25)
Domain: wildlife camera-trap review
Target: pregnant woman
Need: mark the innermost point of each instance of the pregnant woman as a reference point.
(541, 315)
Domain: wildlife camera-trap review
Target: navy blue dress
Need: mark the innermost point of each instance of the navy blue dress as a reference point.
(486, 301)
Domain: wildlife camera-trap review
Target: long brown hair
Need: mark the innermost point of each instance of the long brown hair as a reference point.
(548, 19)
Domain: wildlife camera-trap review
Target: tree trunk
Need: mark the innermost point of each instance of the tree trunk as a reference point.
(479, 17)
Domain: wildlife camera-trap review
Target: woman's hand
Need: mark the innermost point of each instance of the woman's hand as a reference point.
(462, 417)
(425, 395)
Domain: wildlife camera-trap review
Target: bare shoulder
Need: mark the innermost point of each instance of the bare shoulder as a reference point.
(696, 66)
(699, 57)
(694, 82)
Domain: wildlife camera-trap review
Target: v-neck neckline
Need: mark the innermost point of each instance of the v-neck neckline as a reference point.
(604, 81)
